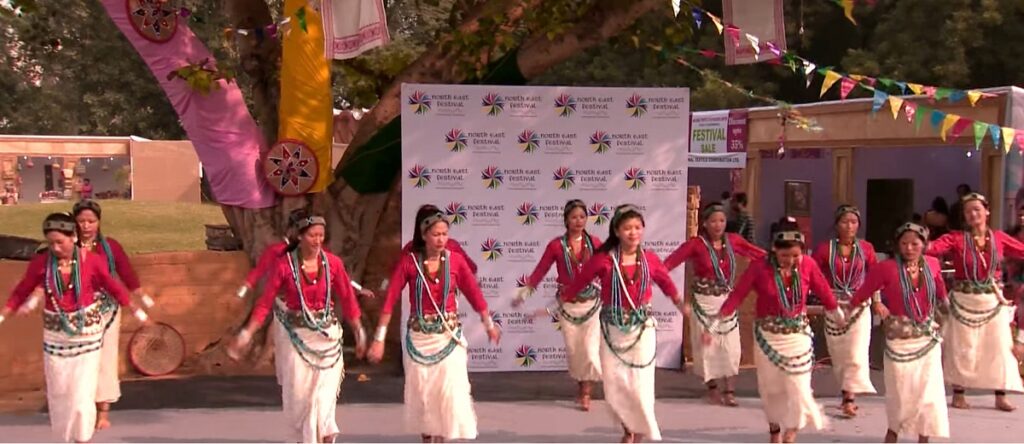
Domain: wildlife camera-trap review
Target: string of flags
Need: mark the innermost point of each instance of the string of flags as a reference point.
(848, 5)
(883, 90)
(269, 31)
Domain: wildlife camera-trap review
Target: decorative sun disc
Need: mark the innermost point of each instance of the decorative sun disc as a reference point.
(290, 167)
(154, 20)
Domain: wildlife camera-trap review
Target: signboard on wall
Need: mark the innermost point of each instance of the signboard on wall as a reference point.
(718, 139)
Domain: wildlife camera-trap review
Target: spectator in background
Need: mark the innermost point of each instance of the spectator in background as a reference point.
(937, 218)
(86, 189)
(740, 221)
(727, 203)
(956, 212)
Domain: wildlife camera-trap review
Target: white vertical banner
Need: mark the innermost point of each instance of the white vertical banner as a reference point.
(502, 161)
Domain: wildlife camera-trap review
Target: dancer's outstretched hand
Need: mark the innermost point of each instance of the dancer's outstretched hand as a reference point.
(237, 347)
(376, 352)
(880, 310)
(494, 334)
(366, 293)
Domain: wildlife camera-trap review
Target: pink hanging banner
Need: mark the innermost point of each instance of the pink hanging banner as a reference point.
(218, 123)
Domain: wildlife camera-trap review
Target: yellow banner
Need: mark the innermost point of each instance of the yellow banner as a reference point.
(306, 110)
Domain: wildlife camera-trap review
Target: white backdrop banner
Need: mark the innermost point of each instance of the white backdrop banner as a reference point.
(502, 161)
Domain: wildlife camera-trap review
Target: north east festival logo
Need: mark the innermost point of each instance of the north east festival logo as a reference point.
(456, 213)
(492, 249)
(636, 106)
(420, 102)
(492, 177)
(456, 140)
(564, 178)
(599, 213)
(493, 104)
(526, 356)
(600, 142)
(565, 105)
(527, 214)
(419, 175)
(528, 141)
(636, 178)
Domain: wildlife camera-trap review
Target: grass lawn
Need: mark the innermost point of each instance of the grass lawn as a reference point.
(141, 227)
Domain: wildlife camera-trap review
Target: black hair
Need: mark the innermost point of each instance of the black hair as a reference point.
(726, 194)
(622, 214)
(419, 244)
(569, 207)
(786, 244)
(940, 205)
(705, 214)
(966, 188)
(87, 204)
(740, 198)
(64, 219)
(293, 220)
(293, 243)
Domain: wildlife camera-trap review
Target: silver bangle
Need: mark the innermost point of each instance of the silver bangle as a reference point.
(381, 334)
(360, 336)
(242, 291)
(488, 321)
(2, 318)
(356, 286)
(141, 315)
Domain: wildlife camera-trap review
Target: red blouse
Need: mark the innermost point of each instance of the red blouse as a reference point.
(601, 267)
(886, 277)
(94, 277)
(452, 246)
(952, 244)
(460, 275)
(760, 277)
(122, 265)
(282, 279)
(844, 267)
(695, 251)
(267, 260)
(555, 254)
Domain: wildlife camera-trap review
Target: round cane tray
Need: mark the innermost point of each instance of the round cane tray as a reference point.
(156, 349)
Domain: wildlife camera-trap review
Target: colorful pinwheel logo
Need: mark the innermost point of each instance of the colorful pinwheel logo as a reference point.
(497, 318)
(564, 178)
(419, 101)
(521, 281)
(527, 214)
(554, 321)
(599, 213)
(528, 141)
(455, 212)
(493, 177)
(526, 356)
(636, 178)
(456, 140)
(636, 105)
(492, 249)
(493, 104)
(420, 176)
(600, 142)
(565, 105)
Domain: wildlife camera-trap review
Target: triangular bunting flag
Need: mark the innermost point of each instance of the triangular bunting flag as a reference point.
(903, 87)
(895, 103)
(878, 101)
(845, 87)
(958, 128)
(809, 73)
(929, 91)
(923, 112)
(848, 10)
(956, 95)
(910, 109)
(775, 49)
(936, 118)
(980, 129)
(830, 79)
(942, 93)
(886, 82)
(697, 17)
(915, 87)
(947, 122)
(717, 21)
(733, 34)
(756, 44)
(1019, 138)
(675, 8)
(973, 96)
(994, 130)
(1008, 134)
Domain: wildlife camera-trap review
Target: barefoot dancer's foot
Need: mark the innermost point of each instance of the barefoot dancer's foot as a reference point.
(1002, 403)
(774, 433)
(102, 415)
(713, 396)
(849, 407)
(959, 400)
(729, 399)
(584, 398)
(891, 436)
(789, 435)
(638, 437)
(426, 438)
(328, 438)
(922, 438)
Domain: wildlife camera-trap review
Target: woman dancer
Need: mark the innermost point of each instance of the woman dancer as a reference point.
(713, 255)
(307, 335)
(845, 260)
(911, 287)
(978, 344)
(626, 272)
(452, 246)
(783, 334)
(438, 403)
(276, 251)
(73, 325)
(579, 326)
(91, 240)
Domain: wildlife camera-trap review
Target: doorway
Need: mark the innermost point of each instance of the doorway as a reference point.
(890, 204)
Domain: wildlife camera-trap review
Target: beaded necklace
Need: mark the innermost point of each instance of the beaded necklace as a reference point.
(619, 291)
(438, 326)
(716, 263)
(327, 318)
(572, 264)
(910, 303)
(970, 248)
(853, 275)
(788, 302)
(55, 285)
